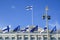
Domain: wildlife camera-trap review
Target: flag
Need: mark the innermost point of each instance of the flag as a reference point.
(6, 29)
(17, 29)
(24, 30)
(34, 29)
(45, 28)
(42, 31)
(29, 8)
(53, 30)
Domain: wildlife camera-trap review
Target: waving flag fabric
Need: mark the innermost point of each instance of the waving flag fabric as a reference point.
(29, 8)
(45, 28)
(53, 30)
(17, 29)
(24, 29)
(6, 29)
(34, 29)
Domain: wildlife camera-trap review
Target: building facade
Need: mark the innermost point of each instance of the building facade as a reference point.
(28, 36)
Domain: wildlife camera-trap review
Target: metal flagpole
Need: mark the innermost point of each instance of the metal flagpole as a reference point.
(32, 15)
(47, 23)
(30, 8)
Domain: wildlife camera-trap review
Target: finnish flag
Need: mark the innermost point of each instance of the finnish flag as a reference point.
(6, 29)
(29, 8)
(43, 29)
(24, 30)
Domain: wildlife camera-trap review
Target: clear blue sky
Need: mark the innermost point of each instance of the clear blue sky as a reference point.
(13, 12)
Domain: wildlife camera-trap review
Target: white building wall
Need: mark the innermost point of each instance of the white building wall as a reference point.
(36, 36)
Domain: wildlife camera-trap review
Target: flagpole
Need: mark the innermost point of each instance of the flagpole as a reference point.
(32, 15)
(30, 8)
(47, 23)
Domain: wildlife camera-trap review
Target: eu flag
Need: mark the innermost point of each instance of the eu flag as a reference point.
(34, 29)
(53, 30)
(17, 29)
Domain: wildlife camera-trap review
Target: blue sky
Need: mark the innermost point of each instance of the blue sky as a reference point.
(13, 12)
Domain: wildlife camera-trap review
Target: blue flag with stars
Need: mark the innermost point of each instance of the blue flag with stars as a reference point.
(53, 30)
(17, 29)
(34, 29)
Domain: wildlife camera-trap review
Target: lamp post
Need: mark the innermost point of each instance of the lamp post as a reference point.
(47, 18)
